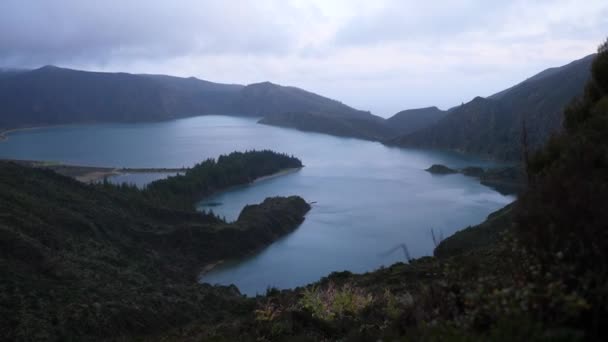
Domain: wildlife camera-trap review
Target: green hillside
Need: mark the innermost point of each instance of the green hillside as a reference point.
(90, 262)
(492, 126)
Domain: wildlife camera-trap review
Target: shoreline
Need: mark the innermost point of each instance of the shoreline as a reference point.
(277, 174)
(259, 179)
(4, 133)
(89, 174)
(213, 265)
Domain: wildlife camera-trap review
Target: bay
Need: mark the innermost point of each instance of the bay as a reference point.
(368, 198)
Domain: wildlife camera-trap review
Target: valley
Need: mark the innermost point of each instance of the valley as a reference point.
(187, 171)
(489, 127)
(349, 200)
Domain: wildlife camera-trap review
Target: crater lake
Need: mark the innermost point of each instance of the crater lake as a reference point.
(368, 198)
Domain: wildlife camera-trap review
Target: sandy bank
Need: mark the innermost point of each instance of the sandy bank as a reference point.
(278, 174)
(88, 174)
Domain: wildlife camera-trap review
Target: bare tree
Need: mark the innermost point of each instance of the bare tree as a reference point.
(405, 250)
(436, 238)
(525, 148)
(406, 253)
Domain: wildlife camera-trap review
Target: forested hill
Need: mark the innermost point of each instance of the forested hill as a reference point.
(203, 179)
(492, 126)
(84, 262)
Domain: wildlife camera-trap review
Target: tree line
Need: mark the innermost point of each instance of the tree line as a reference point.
(203, 179)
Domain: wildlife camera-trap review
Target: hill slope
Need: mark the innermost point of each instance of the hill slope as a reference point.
(366, 126)
(80, 262)
(493, 126)
(264, 98)
(52, 95)
(296, 108)
(411, 120)
(192, 96)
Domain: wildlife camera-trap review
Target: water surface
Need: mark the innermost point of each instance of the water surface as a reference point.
(369, 197)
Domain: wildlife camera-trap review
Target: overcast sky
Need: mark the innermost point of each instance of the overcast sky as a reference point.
(380, 55)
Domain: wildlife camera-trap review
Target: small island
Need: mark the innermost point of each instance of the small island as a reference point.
(439, 169)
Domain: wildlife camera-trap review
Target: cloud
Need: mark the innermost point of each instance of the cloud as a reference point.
(414, 20)
(74, 30)
(441, 22)
(473, 33)
(383, 55)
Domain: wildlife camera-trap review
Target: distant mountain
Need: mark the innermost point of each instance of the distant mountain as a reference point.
(267, 98)
(296, 108)
(8, 72)
(52, 95)
(368, 127)
(411, 120)
(492, 126)
(192, 96)
(489, 126)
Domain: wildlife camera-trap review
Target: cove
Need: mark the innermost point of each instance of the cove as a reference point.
(368, 197)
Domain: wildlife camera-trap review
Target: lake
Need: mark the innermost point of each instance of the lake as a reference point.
(369, 198)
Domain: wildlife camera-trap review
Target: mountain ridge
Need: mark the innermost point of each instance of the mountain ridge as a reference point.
(487, 126)
(492, 126)
(411, 120)
(52, 95)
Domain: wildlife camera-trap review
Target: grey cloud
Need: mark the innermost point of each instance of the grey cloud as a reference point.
(33, 32)
(401, 55)
(459, 21)
(415, 20)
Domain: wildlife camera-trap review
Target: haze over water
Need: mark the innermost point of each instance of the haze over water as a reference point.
(369, 198)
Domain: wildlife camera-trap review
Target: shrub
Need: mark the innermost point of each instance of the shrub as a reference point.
(332, 302)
